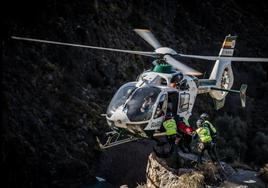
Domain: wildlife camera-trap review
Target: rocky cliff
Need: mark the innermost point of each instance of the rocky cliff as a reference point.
(160, 173)
(52, 96)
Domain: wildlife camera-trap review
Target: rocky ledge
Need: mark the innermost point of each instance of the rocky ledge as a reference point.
(159, 173)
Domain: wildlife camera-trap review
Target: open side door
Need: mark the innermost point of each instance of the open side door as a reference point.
(172, 102)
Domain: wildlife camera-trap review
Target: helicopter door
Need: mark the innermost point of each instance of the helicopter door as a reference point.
(172, 105)
(184, 102)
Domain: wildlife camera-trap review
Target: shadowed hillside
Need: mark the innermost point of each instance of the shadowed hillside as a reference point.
(52, 95)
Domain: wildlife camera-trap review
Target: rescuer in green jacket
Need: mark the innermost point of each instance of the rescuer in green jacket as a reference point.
(205, 141)
(205, 123)
(173, 138)
(213, 132)
(170, 128)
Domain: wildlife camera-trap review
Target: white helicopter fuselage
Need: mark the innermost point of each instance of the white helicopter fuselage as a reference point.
(130, 115)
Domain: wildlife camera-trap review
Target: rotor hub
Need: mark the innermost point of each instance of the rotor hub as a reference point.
(165, 51)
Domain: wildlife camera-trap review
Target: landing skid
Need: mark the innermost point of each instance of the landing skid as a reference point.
(115, 138)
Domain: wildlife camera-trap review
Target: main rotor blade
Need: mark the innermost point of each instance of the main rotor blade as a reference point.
(180, 66)
(214, 58)
(150, 54)
(148, 37)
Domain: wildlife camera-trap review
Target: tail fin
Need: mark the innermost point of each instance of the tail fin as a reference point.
(228, 46)
(222, 71)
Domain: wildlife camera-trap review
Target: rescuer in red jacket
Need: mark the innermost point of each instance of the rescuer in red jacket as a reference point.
(186, 132)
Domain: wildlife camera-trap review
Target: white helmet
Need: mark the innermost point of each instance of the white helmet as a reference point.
(199, 123)
(204, 116)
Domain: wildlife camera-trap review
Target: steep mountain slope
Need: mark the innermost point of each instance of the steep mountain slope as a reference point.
(52, 95)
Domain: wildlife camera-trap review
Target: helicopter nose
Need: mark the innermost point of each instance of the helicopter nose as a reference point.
(120, 123)
(120, 119)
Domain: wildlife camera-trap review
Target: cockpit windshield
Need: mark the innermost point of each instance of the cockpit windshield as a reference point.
(140, 106)
(120, 97)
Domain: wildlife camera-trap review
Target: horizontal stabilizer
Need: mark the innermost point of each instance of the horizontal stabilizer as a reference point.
(220, 103)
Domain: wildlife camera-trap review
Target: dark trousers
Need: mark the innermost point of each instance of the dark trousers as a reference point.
(166, 146)
(171, 141)
(211, 149)
(185, 143)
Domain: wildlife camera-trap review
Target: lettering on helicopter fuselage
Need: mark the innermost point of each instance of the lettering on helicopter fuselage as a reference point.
(156, 124)
(227, 52)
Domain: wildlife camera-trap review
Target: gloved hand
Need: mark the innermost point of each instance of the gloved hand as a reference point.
(177, 140)
(214, 140)
(200, 146)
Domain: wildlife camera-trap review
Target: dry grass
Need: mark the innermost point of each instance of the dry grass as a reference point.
(191, 180)
(210, 172)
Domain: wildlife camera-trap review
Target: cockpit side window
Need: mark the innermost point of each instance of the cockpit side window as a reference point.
(158, 80)
(120, 97)
(140, 106)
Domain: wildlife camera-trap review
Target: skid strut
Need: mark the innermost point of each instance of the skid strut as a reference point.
(115, 139)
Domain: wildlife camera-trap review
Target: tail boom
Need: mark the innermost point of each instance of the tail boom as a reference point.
(222, 71)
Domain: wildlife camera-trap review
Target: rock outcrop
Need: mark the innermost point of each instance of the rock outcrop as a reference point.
(159, 174)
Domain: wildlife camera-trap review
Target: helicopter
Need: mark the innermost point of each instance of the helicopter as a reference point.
(138, 108)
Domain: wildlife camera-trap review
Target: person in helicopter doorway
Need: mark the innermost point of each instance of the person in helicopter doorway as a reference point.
(176, 80)
(213, 132)
(204, 143)
(159, 112)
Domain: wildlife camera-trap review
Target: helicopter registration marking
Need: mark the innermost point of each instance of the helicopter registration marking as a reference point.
(227, 52)
(156, 123)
